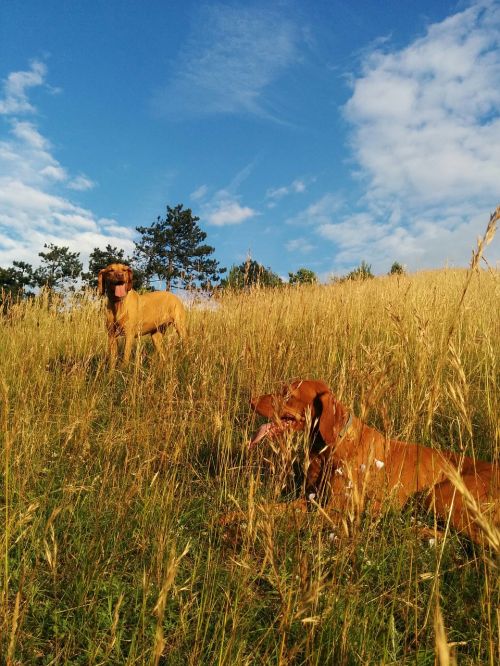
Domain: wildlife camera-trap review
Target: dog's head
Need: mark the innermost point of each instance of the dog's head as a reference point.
(115, 280)
(303, 403)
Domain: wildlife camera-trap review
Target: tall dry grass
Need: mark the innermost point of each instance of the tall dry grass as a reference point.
(113, 483)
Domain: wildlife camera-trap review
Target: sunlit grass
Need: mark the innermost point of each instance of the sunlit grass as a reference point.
(113, 483)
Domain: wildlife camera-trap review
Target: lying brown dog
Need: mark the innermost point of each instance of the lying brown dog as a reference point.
(131, 314)
(353, 466)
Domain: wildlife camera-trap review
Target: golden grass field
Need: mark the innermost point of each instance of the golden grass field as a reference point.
(113, 483)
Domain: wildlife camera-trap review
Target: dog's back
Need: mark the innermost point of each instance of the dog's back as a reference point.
(157, 309)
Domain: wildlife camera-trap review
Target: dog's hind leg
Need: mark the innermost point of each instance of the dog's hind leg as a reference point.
(157, 339)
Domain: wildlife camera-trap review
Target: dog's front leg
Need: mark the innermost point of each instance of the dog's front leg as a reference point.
(129, 339)
(113, 349)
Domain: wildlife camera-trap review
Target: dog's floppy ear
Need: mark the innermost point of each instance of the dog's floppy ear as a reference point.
(332, 416)
(100, 282)
(130, 275)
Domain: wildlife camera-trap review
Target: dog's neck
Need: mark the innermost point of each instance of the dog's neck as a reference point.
(344, 446)
(116, 305)
(341, 445)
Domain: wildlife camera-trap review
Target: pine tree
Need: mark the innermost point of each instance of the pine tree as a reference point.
(173, 250)
(397, 269)
(251, 273)
(59, 267)
(15, 280)
(303, 276)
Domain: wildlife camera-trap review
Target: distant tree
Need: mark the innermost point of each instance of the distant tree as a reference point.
(397, 269)
(251, 273)
(303, 276)
(362, 272)
(110, 255)
(59, 267)
(173, 250)
(15, 280)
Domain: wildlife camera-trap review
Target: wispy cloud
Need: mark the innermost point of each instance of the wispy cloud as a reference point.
(232, 57)
(321, 212)
(81, 183)
(223, 207)
(302, 245)
(34, 204)
(16, 87)
(200, 193)
(426, 138)
(274, 194)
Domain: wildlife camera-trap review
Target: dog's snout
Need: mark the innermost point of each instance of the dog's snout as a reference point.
(118, 276)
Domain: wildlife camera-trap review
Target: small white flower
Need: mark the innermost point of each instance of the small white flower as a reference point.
(379, 464)
(362, 467)
(339, 471)
(311, 496)
(332, 536)
(432, 542)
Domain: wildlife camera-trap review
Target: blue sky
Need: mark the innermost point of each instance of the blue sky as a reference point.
(314, 134)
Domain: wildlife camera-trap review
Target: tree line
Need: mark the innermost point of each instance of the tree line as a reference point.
(170, 253)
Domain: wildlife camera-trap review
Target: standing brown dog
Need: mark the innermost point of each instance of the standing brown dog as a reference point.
(131, 314)
(353, 465)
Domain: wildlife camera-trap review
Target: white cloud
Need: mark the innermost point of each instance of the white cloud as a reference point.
(200, 193)
(16, 86)
(228, 212)
(34, 205)
(55, 172)
(426, 138)
(274, 194)
(17, 195)
(28, 133)
(224, 207)
(112, 227)
(319, 213)
(355, 231)
(232, 56)
(424, 244)
(299, 245)
(81, 183)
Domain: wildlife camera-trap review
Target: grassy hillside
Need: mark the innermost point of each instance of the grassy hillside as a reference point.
(113, 483)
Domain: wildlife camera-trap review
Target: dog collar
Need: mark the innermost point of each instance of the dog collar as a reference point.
(342, 433)
(346, 427)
